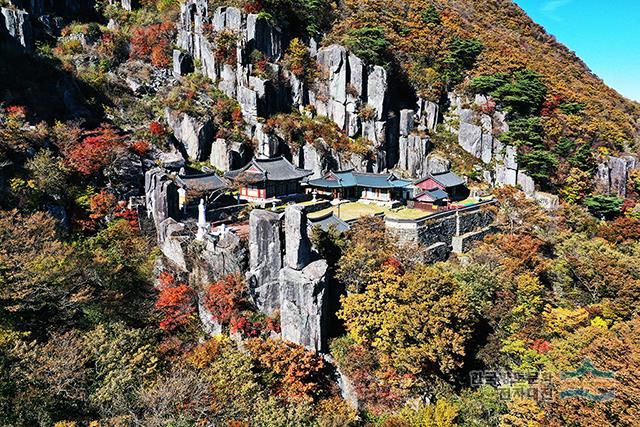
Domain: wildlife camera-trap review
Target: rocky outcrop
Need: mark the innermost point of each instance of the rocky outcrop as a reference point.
(228, 155)
(197, 29)
(125, 175)
(612, 175)
(218, 256)
(289, 283)
(297, 243)
(173, 241)
(194, 134)
(16, 24)
(413, 151)
(161, 196)
(265, 260)
(303, 304)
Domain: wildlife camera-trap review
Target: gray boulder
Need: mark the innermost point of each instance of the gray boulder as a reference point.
(413, 150)
(428, 114)
(470, 139)
(195, 134)
(526, 183)
(437, 164)
(227, 155)
(173, 243)
(377, 90)
(303, 305)
(406, 122)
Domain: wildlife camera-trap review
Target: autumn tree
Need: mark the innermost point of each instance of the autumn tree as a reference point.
(95, 151)
(395, 309)
(176, 301)
(290, 370)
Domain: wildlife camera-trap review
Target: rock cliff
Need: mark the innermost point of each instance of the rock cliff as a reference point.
(354, 95)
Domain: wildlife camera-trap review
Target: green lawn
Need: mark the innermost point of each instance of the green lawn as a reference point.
(406, 213)
(349, 211)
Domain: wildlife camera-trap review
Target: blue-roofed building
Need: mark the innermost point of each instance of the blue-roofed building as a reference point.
(381, 188)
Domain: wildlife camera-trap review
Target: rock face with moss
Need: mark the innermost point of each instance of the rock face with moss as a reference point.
(225, 44)
(612, 175)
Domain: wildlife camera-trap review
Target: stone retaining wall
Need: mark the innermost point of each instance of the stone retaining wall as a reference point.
(441, 227)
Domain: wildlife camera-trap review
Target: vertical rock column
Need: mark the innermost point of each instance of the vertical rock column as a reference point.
(302, 286)
(265, 260)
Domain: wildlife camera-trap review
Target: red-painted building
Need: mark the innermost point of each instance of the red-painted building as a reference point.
(449, 182)
(264, 179)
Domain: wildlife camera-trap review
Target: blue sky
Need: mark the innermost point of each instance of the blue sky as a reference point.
(604, 33)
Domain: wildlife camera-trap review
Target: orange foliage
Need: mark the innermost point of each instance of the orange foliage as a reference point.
(176, 302)
(620, 230)
(102, 204)
(297, 370)
(153, 43)
(141, 148)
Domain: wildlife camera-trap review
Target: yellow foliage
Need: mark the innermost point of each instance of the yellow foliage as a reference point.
(562, 321)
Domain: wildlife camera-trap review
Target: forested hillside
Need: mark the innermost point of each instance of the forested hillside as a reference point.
(138, 289)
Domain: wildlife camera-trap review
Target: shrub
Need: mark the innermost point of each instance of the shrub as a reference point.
(226, 42)
(367, 112)
(605, 207)
(176, 301)
(298, 60)
(153, 43)
(368, 43)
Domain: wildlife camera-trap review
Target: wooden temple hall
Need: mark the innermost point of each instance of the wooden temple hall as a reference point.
(364, 186)
(264, 179)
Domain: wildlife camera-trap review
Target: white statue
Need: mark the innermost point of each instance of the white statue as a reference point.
(202, 221)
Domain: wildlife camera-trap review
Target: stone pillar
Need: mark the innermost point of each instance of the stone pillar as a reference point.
(265, 260)
(297, 244)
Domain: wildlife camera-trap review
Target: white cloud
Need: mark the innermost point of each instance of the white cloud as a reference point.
(551, 6)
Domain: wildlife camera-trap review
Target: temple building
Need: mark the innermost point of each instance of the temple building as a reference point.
(448, 182)
(264, 179)
(382, 188)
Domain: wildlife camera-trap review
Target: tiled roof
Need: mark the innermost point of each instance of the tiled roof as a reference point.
(448, 179)
(433, 195)
(276, 169)
(346, 179)
(326, 221)
(203, 182)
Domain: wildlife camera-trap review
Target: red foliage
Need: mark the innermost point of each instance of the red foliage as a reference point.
(295, 369)
(620, 230)
(153, 43)
(102, 204)
(253, 7)
(16, 111)
(128, 215)
(394, 265)
(157, 129)
(550, 107)
(176, 301)
(488, 107)
(95, 151)
(541, 346)
(229, 305)
(141, 148)
(236, 116)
